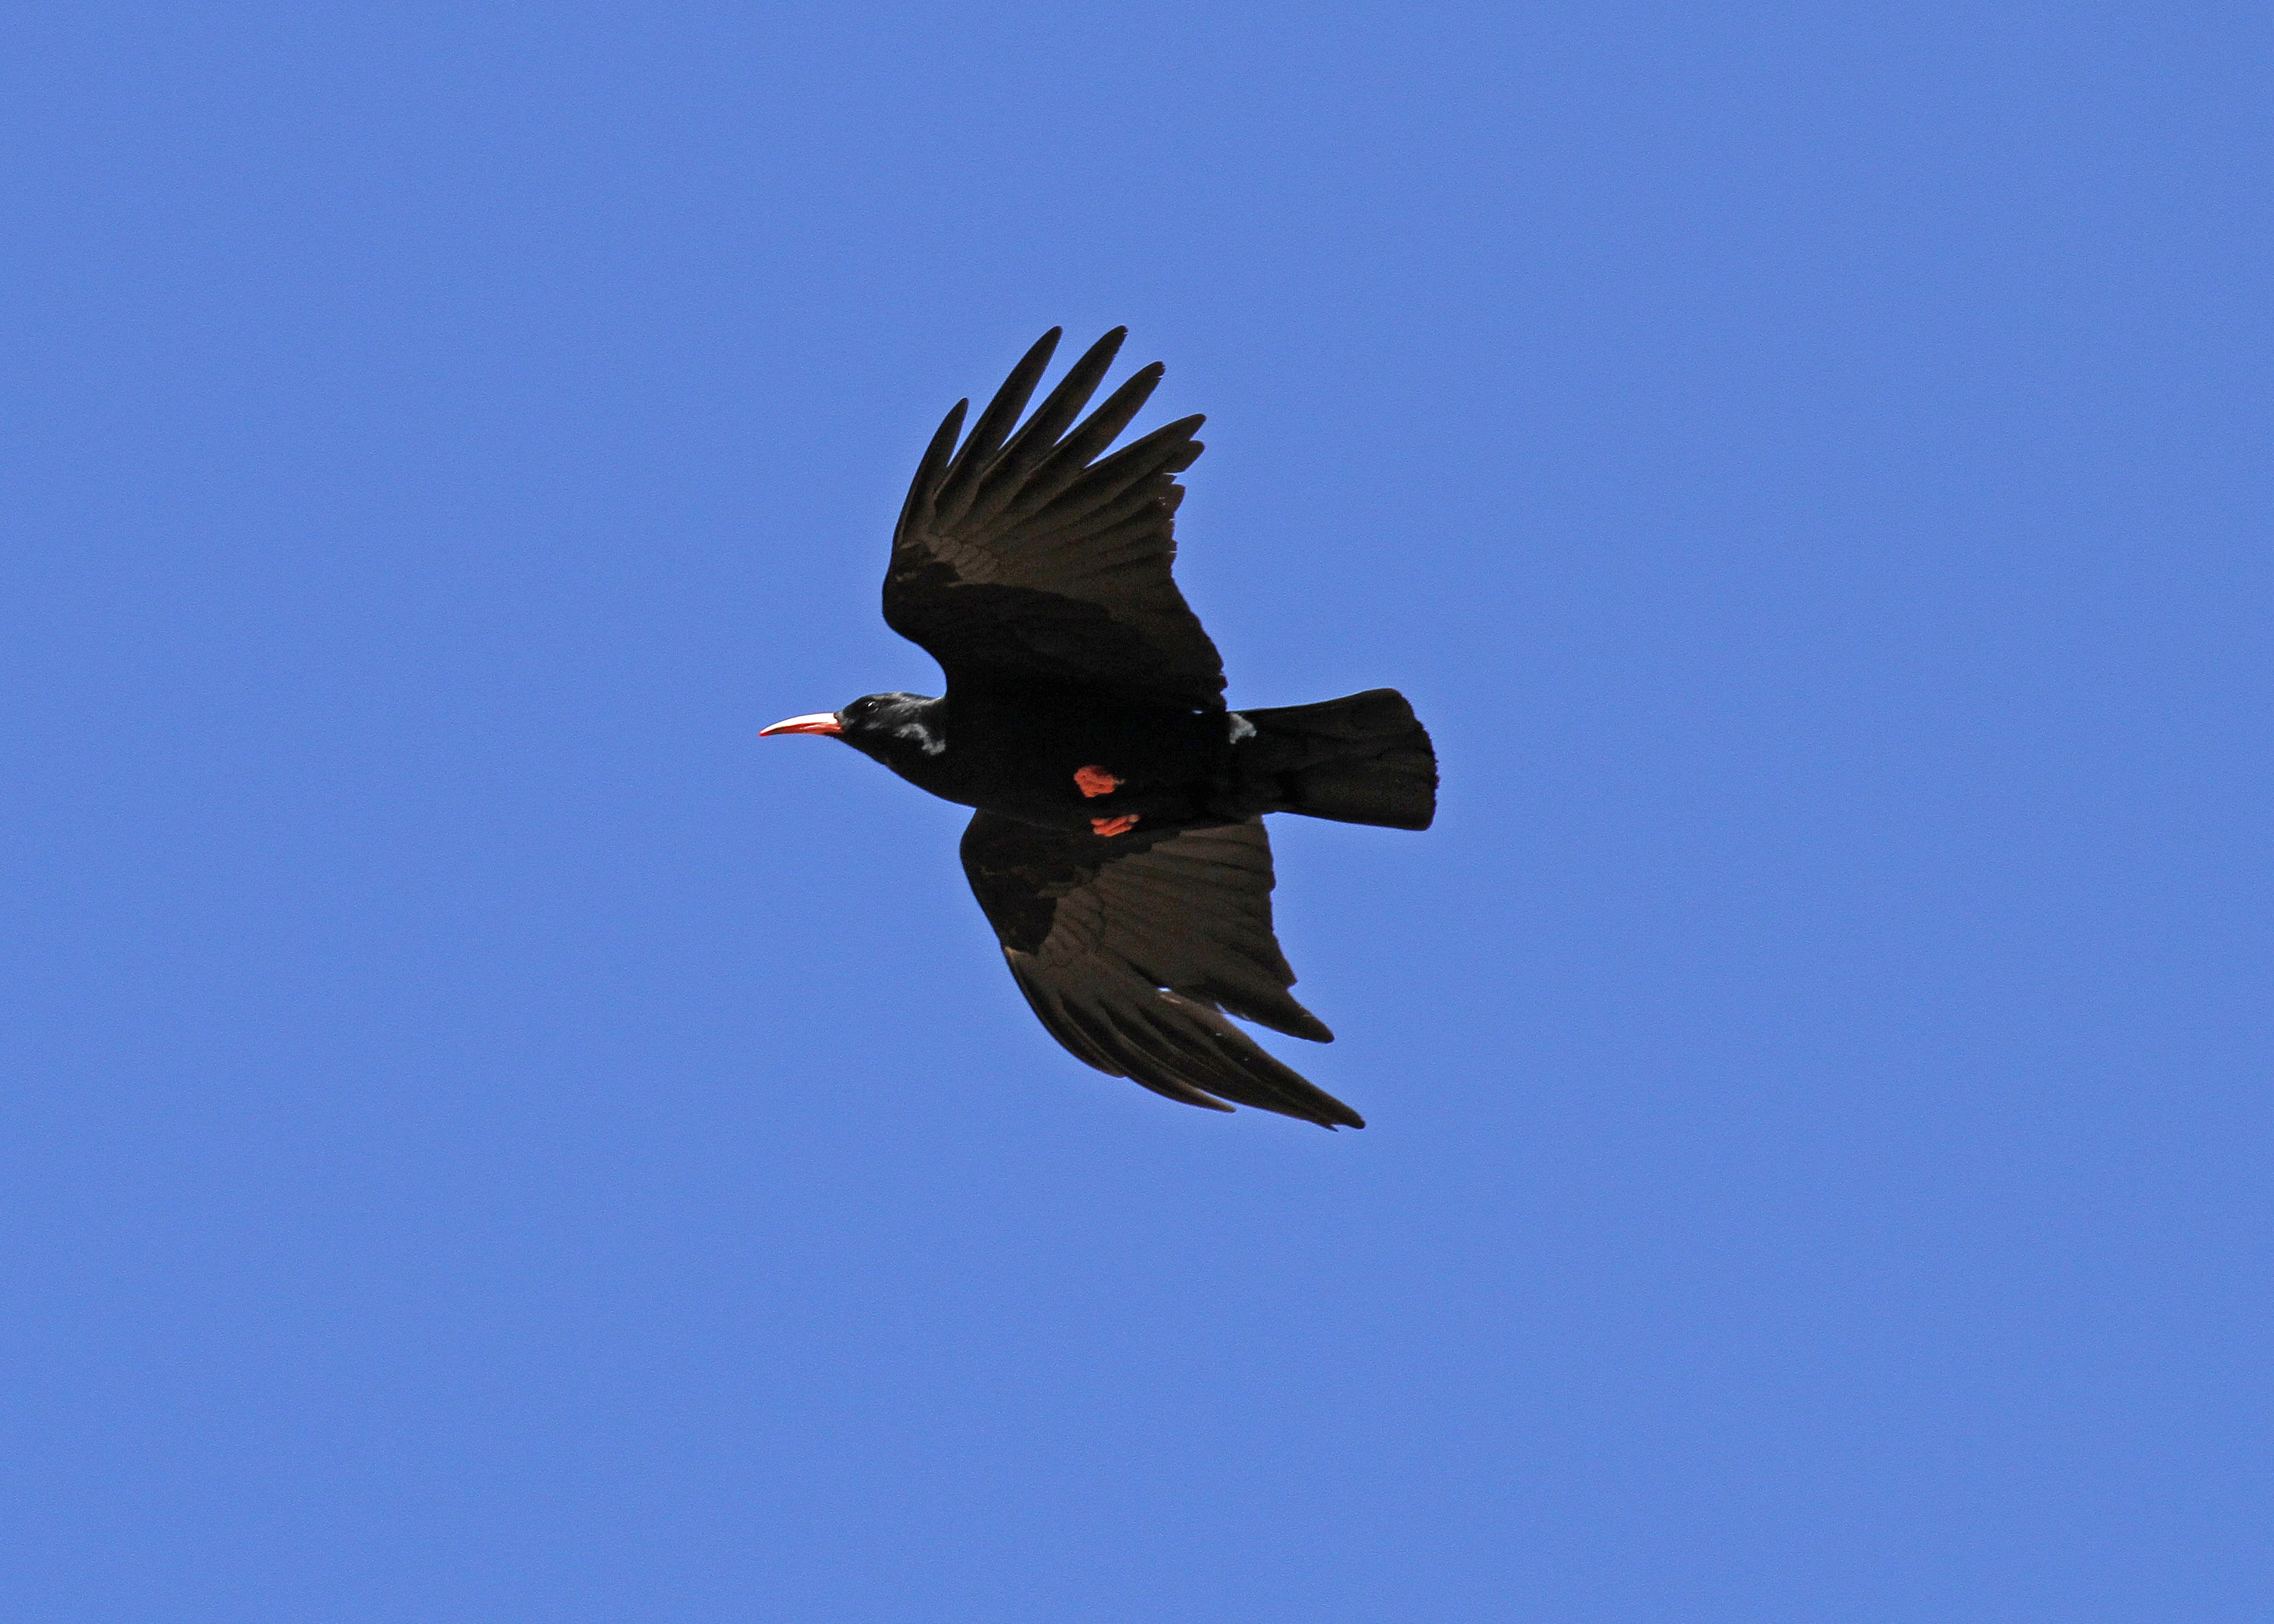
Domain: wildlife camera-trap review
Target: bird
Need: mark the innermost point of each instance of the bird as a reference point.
(1117, 845)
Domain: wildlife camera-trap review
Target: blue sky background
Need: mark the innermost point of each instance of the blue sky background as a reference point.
(485, 1139)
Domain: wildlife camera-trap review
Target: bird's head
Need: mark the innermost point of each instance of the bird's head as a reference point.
(896, 729)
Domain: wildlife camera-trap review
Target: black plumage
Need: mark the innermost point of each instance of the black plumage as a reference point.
(1118, 850)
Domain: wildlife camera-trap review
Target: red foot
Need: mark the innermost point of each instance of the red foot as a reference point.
(1120, 825)
(1094, 781)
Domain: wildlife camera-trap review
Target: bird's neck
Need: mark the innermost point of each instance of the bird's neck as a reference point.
(915, 738)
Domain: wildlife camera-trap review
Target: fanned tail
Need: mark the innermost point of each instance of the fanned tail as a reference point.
(1361, 759)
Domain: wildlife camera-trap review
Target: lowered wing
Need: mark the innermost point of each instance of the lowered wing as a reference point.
(1133, 948)
(1024, 551)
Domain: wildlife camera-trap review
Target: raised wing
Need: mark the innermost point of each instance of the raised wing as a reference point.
(1025, 553)
(1132, 948)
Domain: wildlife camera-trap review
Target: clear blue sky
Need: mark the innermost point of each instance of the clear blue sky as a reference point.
(485, 1139)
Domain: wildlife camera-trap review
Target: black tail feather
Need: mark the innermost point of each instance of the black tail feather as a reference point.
(1362, 759)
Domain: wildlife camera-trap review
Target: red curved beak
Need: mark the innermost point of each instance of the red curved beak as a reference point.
(819, 722)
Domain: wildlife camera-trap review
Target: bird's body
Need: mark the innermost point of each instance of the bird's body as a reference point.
(1018, 748)
(1119, 847)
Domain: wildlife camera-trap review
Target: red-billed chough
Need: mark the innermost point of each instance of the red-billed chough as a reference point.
(1119, 849)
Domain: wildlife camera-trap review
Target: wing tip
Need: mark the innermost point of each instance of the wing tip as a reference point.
(1100, 354)
(1326, 1111)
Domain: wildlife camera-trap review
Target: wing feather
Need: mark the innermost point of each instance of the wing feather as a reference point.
(1038, 436)
(994, 426)
(1122, 484)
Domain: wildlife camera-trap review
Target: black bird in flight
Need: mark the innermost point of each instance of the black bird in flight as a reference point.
(1119, 847)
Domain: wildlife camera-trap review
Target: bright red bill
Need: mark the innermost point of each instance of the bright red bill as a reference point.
(820, 722)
